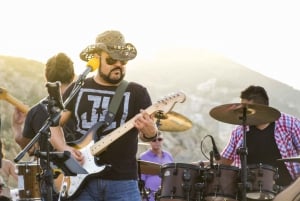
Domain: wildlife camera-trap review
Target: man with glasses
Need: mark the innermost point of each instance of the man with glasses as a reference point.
(155, 154)
(118, 181)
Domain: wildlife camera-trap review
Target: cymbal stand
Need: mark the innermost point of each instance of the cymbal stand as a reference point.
(242, 151)
(144, 193)
(159, 115)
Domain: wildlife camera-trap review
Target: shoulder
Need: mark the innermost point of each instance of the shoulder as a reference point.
(287, 119)
(41, 105)
(144, 154)
(134, 86)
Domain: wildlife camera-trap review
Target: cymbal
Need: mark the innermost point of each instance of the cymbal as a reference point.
(147, 167)
(172, 121)
(255, 114)
(291, 159)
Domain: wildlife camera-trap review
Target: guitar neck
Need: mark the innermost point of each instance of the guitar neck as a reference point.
(102, 144)
(164, 105)
(12, 100)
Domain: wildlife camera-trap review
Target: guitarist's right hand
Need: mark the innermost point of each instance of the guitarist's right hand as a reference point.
(58, 142)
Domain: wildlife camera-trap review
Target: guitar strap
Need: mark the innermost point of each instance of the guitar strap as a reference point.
(112, 108)
(115, 103)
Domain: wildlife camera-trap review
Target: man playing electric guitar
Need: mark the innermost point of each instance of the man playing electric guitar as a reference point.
(118, 180)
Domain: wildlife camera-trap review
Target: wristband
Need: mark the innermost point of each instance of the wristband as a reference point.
(151, 138)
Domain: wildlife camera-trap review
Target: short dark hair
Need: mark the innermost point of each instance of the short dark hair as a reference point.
(60, 68)
(257, 94)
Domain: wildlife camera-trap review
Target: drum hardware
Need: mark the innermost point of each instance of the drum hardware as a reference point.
(172, 121)
(179, 182)
(28, 184)
(262, 178)
(222, 183)
(143, 191)
(244, 114)
(187, 187)
(199, 188)
(147, 167)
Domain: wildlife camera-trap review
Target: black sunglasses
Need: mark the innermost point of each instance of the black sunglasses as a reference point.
(111, 61)
(157, 139)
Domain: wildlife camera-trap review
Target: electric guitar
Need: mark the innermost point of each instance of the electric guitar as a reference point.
(90, 149)
(9, 98)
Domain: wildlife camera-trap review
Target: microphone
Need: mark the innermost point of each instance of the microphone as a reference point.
(215, 149)
(91, 65)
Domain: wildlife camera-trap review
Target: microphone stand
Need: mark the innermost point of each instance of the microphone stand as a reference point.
(47, 175)
(55, 108)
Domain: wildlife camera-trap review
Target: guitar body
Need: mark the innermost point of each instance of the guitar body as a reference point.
(70, 184)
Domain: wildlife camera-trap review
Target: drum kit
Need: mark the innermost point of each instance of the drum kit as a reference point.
(190, 182)
(217, 182)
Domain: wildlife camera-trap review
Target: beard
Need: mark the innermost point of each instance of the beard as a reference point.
(108, 78)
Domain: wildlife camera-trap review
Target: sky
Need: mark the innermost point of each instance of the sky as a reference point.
(262, 35)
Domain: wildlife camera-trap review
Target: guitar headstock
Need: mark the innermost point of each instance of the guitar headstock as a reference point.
(167, 103)
(3, 93)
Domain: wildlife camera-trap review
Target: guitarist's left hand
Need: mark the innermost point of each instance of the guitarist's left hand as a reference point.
(146, 125)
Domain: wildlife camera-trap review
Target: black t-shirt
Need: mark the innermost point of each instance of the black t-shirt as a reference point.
(36, 118)
(90, 105)
(263, 149)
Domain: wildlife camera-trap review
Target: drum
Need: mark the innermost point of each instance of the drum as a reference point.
(221, 183)
(28, 184)
(178, 181)
(262, 179)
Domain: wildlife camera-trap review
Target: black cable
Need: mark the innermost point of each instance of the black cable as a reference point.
(201, 147)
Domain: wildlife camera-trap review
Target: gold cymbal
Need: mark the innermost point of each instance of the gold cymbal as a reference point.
(147, 167)
(172, 121)
(291, 159)
(255, 114)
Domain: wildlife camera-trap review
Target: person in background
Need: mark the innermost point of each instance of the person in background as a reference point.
(118, 181)
(7, 175)
(266, 142)
(155, 154)
(25, 127)
(58, 68)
